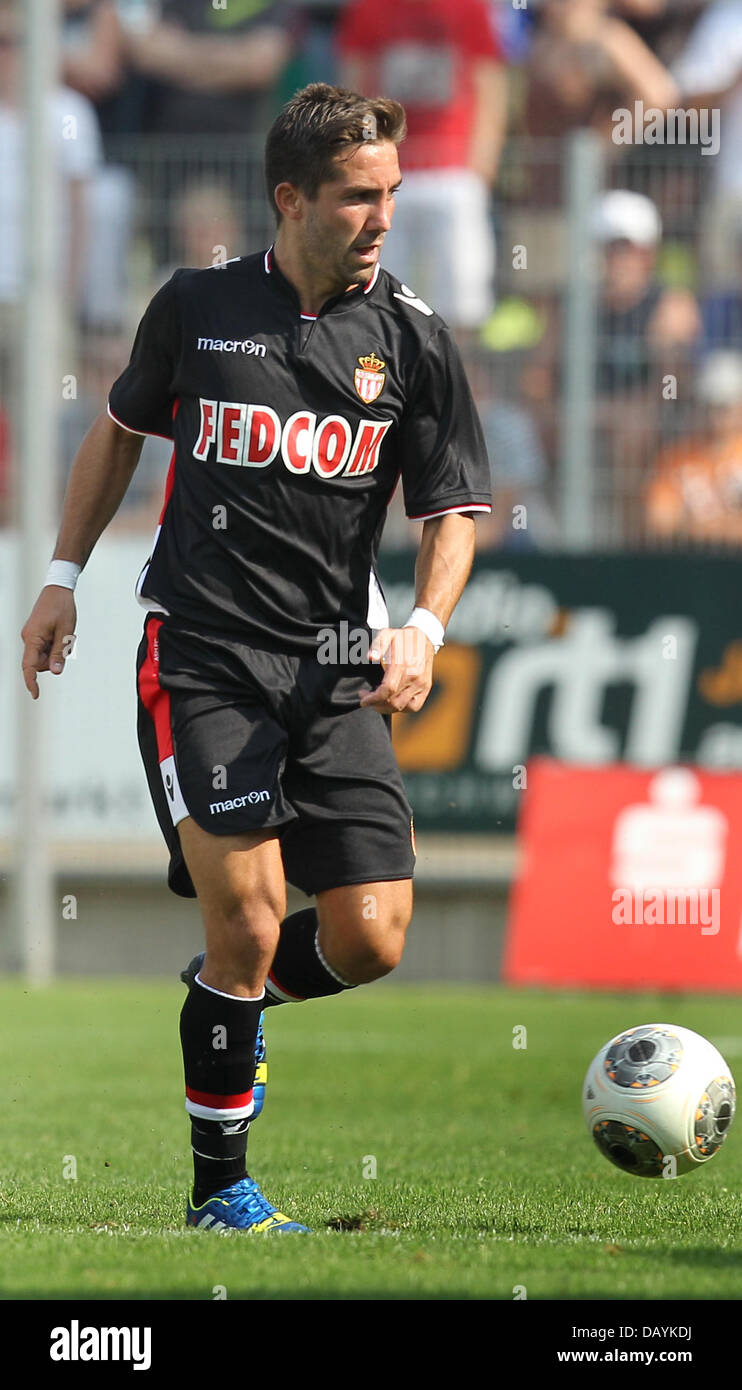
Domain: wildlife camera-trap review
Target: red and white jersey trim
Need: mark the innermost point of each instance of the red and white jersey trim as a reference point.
(373, 279)
(451, 511)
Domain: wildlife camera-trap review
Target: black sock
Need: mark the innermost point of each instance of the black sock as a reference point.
(219, 1148)
(217, 1034)
(299, 970)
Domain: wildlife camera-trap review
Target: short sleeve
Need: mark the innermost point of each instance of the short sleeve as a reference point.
(442, 453)
(142, 399)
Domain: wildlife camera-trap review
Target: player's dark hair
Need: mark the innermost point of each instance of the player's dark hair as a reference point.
(315, 125)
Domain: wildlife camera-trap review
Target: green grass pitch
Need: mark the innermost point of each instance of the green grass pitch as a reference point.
(486, 1180)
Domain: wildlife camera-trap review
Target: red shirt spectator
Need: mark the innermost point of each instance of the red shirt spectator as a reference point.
(441, 59)
(424, 53)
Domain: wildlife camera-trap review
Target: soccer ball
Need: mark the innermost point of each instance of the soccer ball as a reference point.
(658, 1100)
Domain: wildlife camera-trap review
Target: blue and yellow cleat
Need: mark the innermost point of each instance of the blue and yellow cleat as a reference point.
(188, 977)
(261, 1070)
(241, 1207)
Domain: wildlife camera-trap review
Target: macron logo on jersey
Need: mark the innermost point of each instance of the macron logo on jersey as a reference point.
(245, 345)
(217, 807)
(251, 436)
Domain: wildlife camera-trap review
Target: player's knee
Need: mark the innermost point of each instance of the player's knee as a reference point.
(362, 934)
(387, 955)
(378, 952)
(241, 928)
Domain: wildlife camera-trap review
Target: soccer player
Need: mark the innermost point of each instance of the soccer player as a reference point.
(296, 386)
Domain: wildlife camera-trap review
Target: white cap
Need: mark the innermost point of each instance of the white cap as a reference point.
(720, 378)
(624, 216)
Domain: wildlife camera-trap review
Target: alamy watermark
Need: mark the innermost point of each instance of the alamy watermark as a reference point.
(355, 646)
(667, 907)
(652, 125)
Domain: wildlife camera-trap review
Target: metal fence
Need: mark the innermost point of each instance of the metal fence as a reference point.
(606, 407)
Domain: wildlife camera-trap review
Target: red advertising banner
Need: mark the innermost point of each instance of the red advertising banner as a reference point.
(630, 879)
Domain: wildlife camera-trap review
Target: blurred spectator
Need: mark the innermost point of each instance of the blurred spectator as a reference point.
(644, 329)
(721, 307)
(78, 156)
(513, 28)
(709, 73)
(642, 325)
(696, 491)
(109, 207)
(215, 66)
(441, 59)
(315, 58)
(93, 50)
(102, 358)
(124, 108)
(523, 350)
(205, 228)
(583, 64)
(521, 517)
(664, 25)
(645, 337)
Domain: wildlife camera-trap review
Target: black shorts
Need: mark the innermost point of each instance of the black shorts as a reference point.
(243, 739)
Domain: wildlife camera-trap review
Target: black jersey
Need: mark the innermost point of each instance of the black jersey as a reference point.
(290, 433)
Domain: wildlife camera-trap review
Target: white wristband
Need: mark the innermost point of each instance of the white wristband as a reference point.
(429, 624)
(64, 573)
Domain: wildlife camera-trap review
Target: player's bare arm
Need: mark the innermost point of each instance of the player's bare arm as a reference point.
(443, 565)
(100, 475)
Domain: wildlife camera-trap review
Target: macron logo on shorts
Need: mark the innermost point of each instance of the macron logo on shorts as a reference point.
(249, 799)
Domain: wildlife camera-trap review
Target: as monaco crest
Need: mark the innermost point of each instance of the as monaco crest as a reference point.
(369, 377)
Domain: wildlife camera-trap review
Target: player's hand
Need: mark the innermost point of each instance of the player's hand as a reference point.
(407, 657)
(47, 635)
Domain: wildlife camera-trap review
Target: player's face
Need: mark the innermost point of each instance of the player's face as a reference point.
(346, 223)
